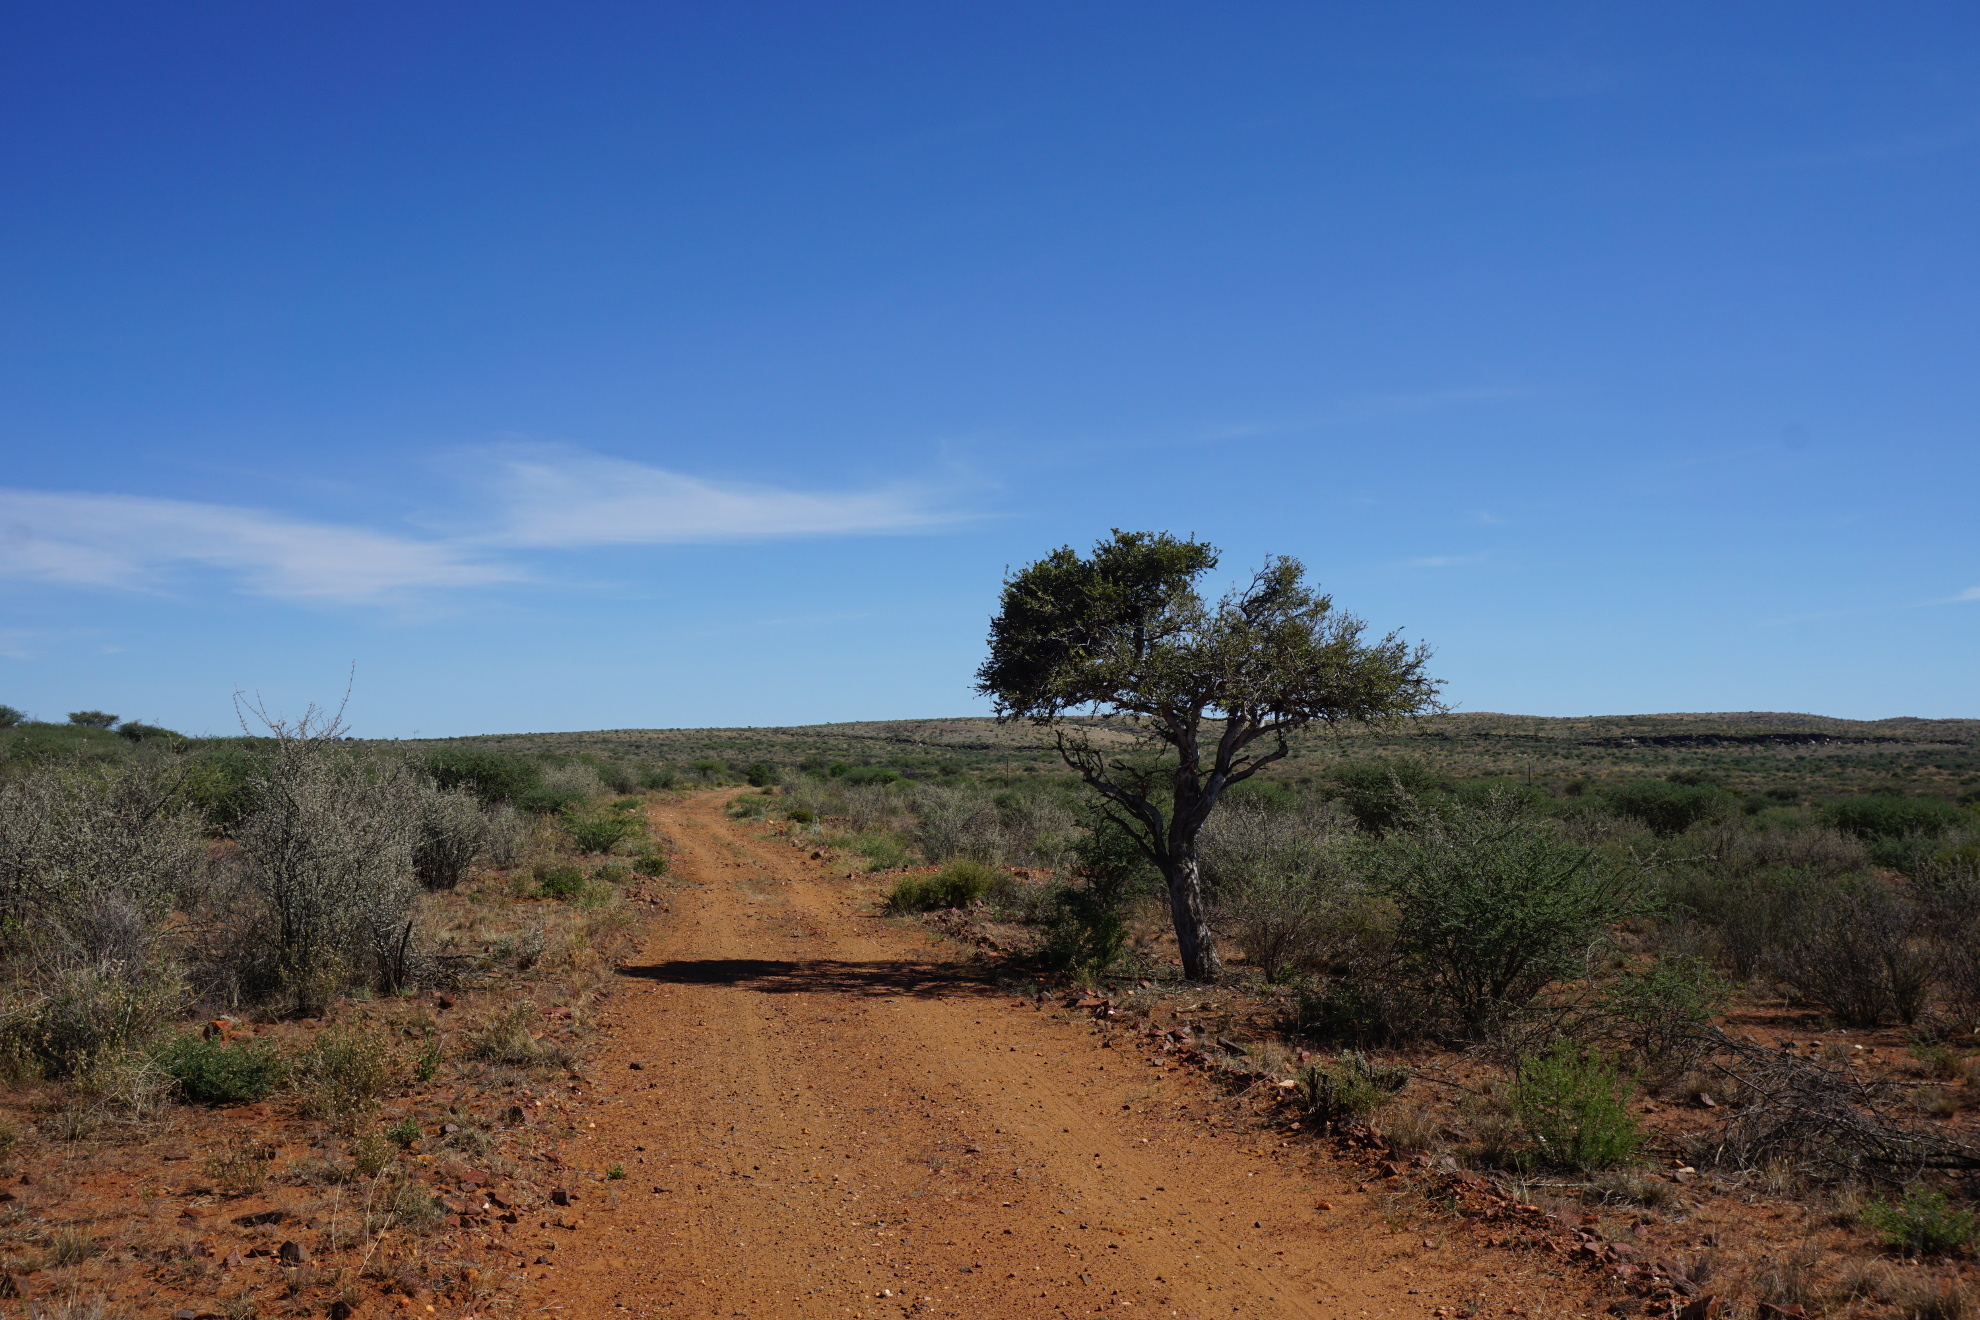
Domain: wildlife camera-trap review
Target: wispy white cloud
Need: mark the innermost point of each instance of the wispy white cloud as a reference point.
(1971, 593)
(539, 498)
(565, 497)
(135, 543)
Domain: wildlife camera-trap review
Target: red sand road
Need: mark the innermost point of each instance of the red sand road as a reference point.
(834, 1115)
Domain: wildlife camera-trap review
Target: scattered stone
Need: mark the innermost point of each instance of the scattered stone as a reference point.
(294, 1253)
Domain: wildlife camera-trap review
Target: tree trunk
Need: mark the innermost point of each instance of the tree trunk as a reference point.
(1199, 948)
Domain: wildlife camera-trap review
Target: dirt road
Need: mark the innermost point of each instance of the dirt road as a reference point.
(823, 1113)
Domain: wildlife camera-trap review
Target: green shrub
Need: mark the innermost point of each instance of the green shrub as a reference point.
(1573, 1106)
(1279, 879)
(601, 834)
(653, 864)
(10, 716)
(491, 776)
(801, 815)
(212, 1072)
(956, 885)
(370, 1153)
(404, 1134)
(1362, 1010)
(710, 770)
(562, 883)
(92, 719)
(614, 775)
(219, 782)
(1923, 1223)
(1085, 932)
(1381, 794)
(1667, 807)
(550, 801)
(1490, 907)
(132, 731)
(761, 774)
(660, 777)
(882, 849)
(749, 806)
(1891, 815)
(1661, 1009)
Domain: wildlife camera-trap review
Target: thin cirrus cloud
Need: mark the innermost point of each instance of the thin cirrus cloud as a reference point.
(137, 543)
(543, 500)
(570, 498)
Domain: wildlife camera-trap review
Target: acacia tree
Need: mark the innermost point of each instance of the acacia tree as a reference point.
(1125, 633)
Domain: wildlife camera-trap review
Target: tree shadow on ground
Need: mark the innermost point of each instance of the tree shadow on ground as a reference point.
(821, 976)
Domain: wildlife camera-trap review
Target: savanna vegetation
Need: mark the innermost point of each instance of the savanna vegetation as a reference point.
(1639, 968)
(384, 956)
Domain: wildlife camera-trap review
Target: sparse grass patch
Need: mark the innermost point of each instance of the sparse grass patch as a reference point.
(1934, 1297)
(507, 1038)
(67, 1249)
(1348, 1090)
(241, 1168)
(370, 1154)
(342, 1075)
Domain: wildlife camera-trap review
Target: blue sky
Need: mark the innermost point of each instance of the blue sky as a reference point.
(638, 365)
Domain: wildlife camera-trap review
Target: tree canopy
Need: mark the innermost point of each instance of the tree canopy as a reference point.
(1125, 632)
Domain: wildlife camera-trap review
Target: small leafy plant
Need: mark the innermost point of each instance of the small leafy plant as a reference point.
(601, 833)
(562, 883)
(404, 1134)
(1924, 1223)
(211, 1072)
(1573, 1106)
